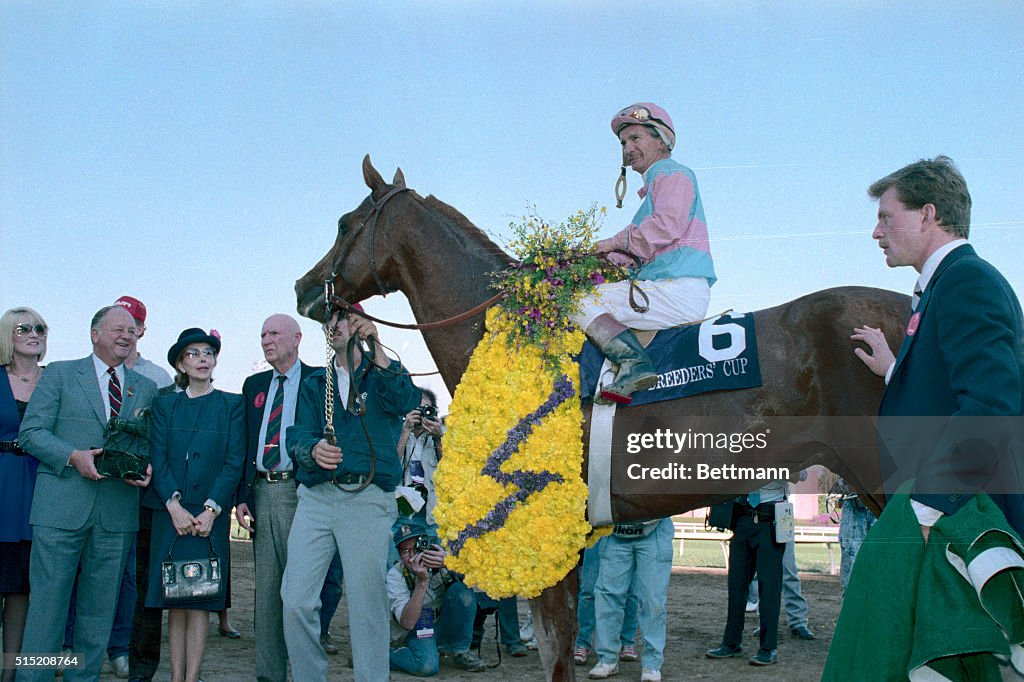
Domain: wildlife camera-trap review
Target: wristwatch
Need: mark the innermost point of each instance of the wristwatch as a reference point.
(211, 510)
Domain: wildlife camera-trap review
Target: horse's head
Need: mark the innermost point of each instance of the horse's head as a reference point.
(360, 263)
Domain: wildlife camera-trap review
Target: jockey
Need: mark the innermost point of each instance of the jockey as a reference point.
(669, 239)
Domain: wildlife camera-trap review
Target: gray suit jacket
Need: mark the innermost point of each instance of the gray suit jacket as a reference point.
(66, 413)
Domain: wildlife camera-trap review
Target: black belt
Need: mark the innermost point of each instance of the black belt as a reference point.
(275, 476)
(351, 479)
(764, 511)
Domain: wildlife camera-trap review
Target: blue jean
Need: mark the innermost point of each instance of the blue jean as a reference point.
(585, 604)
(854, 525)
(453, 630)
(648, 560)
(330, 593)
(121, 632)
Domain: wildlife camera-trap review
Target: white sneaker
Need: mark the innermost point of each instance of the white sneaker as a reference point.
(649, 675)
(752, 606)
(120, 666)
(603, 670)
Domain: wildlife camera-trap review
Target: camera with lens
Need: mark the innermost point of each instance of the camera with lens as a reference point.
(427, 412)
(425, 542)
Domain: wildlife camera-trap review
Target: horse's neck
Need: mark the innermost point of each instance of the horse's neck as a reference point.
(446, 271)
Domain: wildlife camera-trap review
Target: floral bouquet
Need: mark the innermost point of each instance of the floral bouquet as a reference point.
(556, 268)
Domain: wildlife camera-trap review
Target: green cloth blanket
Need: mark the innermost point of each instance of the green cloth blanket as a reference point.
(949, 610)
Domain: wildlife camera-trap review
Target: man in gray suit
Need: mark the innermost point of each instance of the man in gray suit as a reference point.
(78, 516)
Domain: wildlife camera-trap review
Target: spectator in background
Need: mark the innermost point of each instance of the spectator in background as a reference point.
(641, 552)
(135, 361)
(585, 610)
(22, 347)
(854, 523)
(753, 549)
(198, 451)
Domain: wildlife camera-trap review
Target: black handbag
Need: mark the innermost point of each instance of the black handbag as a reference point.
(191, 580)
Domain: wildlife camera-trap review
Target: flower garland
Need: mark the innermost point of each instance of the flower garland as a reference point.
(510, 499)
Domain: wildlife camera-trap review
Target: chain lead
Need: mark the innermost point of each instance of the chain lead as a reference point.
(329, 390)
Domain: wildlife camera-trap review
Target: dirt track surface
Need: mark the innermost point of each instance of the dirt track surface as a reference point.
(696, 619)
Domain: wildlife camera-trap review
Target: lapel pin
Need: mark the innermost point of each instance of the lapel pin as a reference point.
(915, 320)
(261, 398)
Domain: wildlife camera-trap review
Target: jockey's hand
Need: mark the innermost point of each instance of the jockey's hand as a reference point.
(880, 358)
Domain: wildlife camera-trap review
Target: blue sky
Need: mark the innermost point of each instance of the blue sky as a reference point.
(197, 155)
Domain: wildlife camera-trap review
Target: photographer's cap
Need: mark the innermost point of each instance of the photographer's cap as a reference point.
(409, 528)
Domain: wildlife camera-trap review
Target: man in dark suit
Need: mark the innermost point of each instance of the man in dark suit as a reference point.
(78, 516)
(266, 497)
(961, 363)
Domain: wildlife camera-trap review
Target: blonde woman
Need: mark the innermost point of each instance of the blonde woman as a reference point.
(22, 347)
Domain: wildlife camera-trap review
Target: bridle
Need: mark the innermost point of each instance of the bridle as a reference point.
(369, 223)
(333, 302)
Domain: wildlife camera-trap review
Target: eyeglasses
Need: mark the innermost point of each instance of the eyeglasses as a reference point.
(192, 353)
(406, 552)
(26, 329)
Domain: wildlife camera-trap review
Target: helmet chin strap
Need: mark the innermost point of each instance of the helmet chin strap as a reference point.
(620, 187)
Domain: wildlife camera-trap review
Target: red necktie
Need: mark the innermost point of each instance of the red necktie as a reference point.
(114, 392)
(272, 450)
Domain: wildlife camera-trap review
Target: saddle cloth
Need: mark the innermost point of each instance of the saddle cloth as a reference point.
(719, 354)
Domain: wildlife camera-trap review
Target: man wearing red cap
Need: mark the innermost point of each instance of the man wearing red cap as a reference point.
(135, 361)
(669, 240)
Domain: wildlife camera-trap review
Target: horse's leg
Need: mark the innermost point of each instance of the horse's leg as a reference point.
(554, 621)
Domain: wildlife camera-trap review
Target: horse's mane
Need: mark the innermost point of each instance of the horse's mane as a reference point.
(474, 233)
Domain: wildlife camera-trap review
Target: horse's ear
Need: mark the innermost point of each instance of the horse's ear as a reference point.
(399, 180)
(370, 175)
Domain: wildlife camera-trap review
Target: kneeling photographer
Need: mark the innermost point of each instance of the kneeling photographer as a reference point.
(430, 606)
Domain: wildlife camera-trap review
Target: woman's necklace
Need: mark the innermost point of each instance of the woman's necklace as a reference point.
(191, 394)
(26, 379)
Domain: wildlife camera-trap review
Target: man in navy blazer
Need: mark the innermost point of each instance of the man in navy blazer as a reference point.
(266, 498)
(78, 516)
(959, 373)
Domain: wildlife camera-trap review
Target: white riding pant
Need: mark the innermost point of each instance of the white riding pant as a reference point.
(672, 302)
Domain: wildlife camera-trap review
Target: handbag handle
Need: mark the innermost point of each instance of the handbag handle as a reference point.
(170, 550)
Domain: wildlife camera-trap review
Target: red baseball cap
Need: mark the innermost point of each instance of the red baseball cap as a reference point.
(134, 306)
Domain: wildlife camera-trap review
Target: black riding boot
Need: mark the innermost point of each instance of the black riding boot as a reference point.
(620, 345)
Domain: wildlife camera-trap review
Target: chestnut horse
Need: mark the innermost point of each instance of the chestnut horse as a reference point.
(397, 240)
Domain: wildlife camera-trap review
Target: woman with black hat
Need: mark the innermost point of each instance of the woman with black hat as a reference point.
(197, 452)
